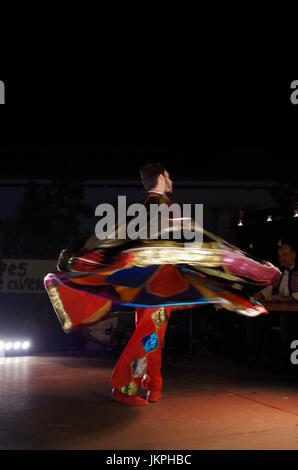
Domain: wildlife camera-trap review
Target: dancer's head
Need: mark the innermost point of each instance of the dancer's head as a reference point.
(155, 177)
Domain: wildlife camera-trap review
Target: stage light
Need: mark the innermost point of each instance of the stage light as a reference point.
(240, 223)
(12, 347)
(269, 218)
(295, 213)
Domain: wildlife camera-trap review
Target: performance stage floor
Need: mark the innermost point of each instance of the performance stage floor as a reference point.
(63, 402)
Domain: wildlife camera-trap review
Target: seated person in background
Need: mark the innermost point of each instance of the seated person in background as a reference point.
(287, 288)
(285, 291)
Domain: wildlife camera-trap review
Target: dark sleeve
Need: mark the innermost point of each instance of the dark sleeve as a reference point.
(294, 286)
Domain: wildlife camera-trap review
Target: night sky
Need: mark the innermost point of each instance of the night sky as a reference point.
(213, 124)
(188, 160)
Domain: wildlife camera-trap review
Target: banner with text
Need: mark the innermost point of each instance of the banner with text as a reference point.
(24, 276)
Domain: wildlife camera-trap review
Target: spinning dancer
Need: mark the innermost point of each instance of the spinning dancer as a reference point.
(154, 277)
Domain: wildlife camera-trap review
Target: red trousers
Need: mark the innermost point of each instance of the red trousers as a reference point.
(140, 361)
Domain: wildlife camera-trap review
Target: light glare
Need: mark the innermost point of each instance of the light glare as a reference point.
(26, 345)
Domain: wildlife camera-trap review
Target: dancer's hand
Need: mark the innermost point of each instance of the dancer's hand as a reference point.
(62, 263)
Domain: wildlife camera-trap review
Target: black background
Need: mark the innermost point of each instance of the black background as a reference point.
(212, 121)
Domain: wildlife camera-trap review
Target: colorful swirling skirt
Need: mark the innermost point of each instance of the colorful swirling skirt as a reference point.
(153, 276)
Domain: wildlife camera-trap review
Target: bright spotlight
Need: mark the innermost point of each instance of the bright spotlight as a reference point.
(26, 345)
(12, 346)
